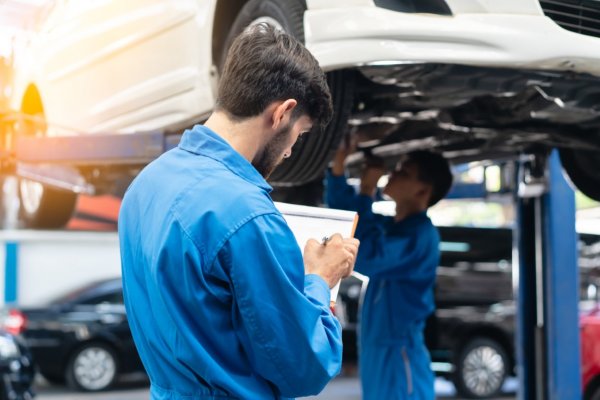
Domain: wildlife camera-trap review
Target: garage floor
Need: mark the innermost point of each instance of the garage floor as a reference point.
(342, 388)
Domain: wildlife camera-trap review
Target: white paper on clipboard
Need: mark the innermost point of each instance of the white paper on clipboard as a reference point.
(316, 223)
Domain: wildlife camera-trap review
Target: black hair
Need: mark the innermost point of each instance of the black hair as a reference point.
(433, 169)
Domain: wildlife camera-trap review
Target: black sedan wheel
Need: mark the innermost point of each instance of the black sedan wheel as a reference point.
(481, 369)
(92, 367)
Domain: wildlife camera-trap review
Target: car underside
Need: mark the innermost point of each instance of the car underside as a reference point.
(474, 113)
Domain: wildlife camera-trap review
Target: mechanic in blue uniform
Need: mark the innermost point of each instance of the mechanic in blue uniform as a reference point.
(400, 256)
(220, 300)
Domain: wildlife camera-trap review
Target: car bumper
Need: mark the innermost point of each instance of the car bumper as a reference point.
(355, 36)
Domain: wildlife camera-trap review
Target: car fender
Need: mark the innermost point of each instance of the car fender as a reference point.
(124, 34)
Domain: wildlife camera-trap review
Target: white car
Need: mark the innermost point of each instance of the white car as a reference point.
(475, 79)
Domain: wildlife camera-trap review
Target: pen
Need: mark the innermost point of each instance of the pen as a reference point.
(325, 240)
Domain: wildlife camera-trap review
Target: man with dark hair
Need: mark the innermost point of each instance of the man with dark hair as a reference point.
(400, 256)
(220, 300)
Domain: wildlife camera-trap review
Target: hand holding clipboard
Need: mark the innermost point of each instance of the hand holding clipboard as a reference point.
(308, 223)
(336, 288)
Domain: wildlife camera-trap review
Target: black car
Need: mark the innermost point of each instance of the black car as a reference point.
(81, 338)
(16, 369)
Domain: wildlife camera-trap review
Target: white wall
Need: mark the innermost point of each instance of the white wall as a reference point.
(50, 263)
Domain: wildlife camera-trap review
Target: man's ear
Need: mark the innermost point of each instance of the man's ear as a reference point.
(282, 113)
(425, 193)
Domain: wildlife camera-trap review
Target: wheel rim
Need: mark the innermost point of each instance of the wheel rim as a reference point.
(483, 370)
(31, 195)
(269, 21)
(94, 368)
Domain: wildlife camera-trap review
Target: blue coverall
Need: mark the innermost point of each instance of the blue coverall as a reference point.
(400, 259)
(216, 295)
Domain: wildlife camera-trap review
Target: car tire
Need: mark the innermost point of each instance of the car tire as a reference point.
(481, 368)
(92, 367)
(44, 207)
(582, 167)
(310, 156)
(595, 395)
(592, 390)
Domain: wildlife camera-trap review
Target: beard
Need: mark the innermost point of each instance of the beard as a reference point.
(271, 155)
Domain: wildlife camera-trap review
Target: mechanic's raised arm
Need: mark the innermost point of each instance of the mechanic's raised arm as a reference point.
(339, 194)
(291, 337)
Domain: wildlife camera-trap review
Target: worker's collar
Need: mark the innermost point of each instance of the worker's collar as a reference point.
(204, 141)
(412, 220)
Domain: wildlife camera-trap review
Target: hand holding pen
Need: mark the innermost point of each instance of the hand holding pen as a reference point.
(332, 259)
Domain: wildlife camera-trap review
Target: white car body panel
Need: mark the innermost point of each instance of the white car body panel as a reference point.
(341, 38)
(457, 6)
(124, 66)
(323, 4)
(531, 7)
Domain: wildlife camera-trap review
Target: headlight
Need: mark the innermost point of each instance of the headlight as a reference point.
(8, 348)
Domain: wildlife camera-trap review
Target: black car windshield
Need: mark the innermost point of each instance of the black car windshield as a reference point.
(92, 290)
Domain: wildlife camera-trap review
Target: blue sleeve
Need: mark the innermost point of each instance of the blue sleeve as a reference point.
(285, 324)
(392, 256)
(339, 194)
(342, 196)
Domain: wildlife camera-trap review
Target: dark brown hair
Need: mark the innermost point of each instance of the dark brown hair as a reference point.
(265, 65)
(433, 169)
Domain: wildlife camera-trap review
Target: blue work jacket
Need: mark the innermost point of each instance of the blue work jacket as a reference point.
(216, 295)
(400, 259)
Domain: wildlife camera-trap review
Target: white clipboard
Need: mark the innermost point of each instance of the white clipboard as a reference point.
(316, 223)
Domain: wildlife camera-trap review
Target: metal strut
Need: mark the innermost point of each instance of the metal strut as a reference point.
(547, 293)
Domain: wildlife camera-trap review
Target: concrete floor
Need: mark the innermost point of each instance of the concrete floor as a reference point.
(341, 388)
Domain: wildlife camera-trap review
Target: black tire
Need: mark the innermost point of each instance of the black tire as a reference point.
(92, 367)
(594, 395)
(481, 368)
(44, 207)
(310, 156)
(582, 167)
(288, 13)
(5, 390)
(592, 390)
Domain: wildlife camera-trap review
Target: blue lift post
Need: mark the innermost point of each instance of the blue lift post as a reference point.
(548, 349)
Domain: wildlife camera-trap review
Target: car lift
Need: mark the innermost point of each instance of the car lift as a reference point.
(545, 267)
